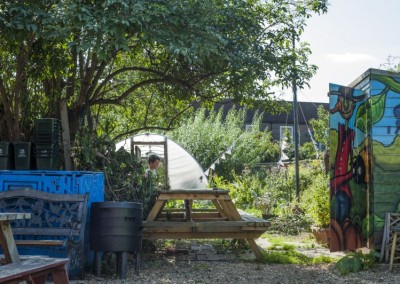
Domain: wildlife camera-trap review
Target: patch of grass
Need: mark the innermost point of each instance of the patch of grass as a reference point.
(283, 250)
(305, 240)
(288, 255)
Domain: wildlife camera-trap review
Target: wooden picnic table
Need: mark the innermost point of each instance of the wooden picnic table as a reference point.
(222, 222)
(6, 236)
(31, 269)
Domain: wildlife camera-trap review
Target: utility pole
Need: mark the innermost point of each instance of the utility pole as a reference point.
(295, 120)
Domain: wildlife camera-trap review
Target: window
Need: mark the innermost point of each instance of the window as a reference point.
(286, 131)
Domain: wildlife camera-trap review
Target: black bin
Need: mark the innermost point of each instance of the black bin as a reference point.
(23, 156)
(6, 155)
(116, 226)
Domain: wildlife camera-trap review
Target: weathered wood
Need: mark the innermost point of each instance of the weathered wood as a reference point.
(14, 216)
(158, 206)
(7, 242)
(255, 248)
(219, 208)
(57, 220)
(202, 235)
(35, 269)
(65, 135)
(222, 222)
(56, 243)
(194, 196)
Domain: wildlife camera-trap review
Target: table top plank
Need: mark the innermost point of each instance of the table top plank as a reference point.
(10, 216)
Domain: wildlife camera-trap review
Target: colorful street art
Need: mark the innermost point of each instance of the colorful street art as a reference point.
(364, 158)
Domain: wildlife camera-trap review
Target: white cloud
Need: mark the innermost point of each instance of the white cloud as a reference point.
(351, 57)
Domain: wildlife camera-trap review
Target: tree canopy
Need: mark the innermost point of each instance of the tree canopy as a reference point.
(126, 65)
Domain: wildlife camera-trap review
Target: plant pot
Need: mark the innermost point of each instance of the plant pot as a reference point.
(322, 235)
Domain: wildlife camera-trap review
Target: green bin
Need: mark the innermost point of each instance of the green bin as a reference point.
(23, 156)
(6, 156)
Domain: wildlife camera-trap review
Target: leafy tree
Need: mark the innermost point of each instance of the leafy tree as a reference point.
(320, 126)
(156, 57)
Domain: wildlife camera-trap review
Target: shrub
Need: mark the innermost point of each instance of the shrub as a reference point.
(315, 200)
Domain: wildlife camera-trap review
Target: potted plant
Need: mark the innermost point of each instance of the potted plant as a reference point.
(266, 203)
(315, 202)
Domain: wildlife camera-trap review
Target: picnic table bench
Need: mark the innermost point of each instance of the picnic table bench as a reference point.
(222, 222)
(35, 270)
(57, 220)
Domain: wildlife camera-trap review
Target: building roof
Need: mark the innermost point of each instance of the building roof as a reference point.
(306, 111)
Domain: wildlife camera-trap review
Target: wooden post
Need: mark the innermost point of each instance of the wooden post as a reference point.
(65, 135)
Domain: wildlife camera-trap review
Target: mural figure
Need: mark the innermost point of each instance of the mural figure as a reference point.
(344, 234)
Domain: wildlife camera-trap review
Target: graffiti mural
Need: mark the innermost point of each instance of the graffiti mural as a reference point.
(364, 158)
(348, 169)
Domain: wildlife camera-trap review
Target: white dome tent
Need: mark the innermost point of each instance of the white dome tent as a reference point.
(182, 170)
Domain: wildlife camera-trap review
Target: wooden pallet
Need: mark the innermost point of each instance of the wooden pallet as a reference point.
(392, 220)
(222, 222)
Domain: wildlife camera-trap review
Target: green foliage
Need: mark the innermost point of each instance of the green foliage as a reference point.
(315, 200)
(307, 151)
(320, 126)
(355, 262)
(156, 57)
(206, 137)
(246, 189)
(121, 171)
(287, 254)
(293, 223)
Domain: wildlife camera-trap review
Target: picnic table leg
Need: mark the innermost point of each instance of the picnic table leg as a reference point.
(255, 248)
(60, 275)
(233, 214)
(8, 244)
(41, 279)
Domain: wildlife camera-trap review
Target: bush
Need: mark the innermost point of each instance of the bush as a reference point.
(315, 200)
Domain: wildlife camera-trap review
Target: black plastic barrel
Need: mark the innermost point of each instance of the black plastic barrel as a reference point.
(116, 226)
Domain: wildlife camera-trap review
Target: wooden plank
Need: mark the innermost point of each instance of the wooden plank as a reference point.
(7, 243)
(192, 196)
(195, 192)
(202, 235)
(39, 243)
(219, 208)
(35, 267)
(158, 206)
(188, 209)
(194, 210)
(42, 195)
(181, 215)
(14, 216)
(45, 232)
(231, 210)
(255, 248)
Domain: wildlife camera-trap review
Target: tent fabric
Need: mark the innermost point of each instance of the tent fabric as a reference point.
(184, 172)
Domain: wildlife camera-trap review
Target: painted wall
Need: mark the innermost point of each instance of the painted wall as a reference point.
(349, 178)
(365, 158)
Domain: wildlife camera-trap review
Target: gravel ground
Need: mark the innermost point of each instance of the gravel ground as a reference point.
(231, 267)
(166, 271)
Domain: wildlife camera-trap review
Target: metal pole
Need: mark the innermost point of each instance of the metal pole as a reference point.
(295, 123)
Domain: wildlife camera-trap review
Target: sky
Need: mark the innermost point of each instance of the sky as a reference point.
(353, 36)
